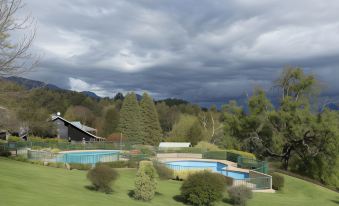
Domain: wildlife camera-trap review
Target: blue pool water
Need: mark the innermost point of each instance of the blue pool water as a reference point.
(89, 157)
(214, 166)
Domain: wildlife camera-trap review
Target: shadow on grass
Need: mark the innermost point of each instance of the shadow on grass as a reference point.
(130, 193)
(335, 201)
(179, 198)
(91, 187)
(227, 201)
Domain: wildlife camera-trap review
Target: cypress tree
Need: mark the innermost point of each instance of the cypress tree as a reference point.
(150, 122)
(130, 121)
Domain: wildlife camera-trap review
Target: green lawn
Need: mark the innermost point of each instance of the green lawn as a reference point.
(25, 184)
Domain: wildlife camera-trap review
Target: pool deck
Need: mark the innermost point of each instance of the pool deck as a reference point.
(232, 166)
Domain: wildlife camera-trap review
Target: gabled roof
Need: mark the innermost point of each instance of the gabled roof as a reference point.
(55, 117)
(83, 127)
(174, 144)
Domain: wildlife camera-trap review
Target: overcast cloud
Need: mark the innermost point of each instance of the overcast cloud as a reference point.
(202, 51)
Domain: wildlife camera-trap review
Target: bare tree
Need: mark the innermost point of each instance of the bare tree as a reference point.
(15, 55)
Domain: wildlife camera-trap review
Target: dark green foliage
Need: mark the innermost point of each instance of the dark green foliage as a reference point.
(167, 116)
(164, 172)
(195, 133)
(5, 153)
(79, 166)
(278, 181)
(101, 177)
(130, 120)
(116, 164)
(239, 194)
(203, 188)
(150, 122)
(111, 121)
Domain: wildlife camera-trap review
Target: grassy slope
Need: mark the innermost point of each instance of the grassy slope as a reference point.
(27, 185)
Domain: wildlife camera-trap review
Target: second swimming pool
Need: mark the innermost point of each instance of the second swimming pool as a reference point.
(214, 166)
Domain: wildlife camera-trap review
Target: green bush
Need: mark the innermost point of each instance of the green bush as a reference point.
(115, 164)
(232, 155)
(19, 158)
(13, 139)
(239, 194)
(57, 164)
(203, 188)
(206, 146)
(164, 172)
(277, 181)
(101, 177)
(145, 184)
(79, 166)
(5, 153)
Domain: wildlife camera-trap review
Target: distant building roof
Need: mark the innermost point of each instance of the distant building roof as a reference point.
(174, 144)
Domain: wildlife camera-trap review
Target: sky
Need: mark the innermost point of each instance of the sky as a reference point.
(200, 50)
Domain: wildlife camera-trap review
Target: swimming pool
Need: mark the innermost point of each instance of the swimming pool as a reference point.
(88, 157)
(213, 166)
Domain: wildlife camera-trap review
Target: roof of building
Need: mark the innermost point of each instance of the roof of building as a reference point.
(84, 127)
(78, 125)
(174, 144)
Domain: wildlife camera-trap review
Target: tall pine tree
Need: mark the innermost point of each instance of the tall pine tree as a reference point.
(150, 122)
(130, 119)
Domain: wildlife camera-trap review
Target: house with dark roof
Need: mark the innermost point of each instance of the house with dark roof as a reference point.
(74, 131)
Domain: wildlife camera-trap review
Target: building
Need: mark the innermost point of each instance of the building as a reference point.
(166, 145)
(74, 131)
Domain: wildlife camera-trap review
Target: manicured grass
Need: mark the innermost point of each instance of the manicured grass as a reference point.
(26, 184)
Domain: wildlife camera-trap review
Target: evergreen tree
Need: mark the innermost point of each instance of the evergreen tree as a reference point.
(130, 119)
(150, 122)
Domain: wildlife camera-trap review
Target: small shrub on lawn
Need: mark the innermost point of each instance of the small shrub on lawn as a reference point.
(5, 153)
(145, 184)
(164, 172)
(239, 194)
(101, 177)
(79, 166)
(203, 188)
(277, 181)
(56, 164)
(116, 164)
(184, 174)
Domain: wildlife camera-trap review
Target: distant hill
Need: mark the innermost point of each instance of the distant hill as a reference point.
(32, 84)
(91, 94)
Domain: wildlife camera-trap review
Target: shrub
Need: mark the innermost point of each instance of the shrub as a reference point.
(145, 184)
(207, 146)
(101, 177)
(57, 164)
(19, 158)
(239, 194)
(242, 154)
(183, 174)
(277, 181)
(203, 188)
(164, 172)
(5, 153)
(132, 164)
(14, 139)
(116, 164)
(79, 166)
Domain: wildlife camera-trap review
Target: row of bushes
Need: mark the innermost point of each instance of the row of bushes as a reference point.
(230, 155)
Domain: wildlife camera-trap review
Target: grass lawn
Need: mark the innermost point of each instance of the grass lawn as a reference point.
(25, 184)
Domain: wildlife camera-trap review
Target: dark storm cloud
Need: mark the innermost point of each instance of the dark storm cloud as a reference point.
(203, 51)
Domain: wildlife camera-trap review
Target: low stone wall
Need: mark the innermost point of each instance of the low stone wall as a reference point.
(179, 155)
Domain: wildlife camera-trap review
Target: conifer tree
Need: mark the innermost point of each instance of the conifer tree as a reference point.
(150, 122)
(130, 121)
